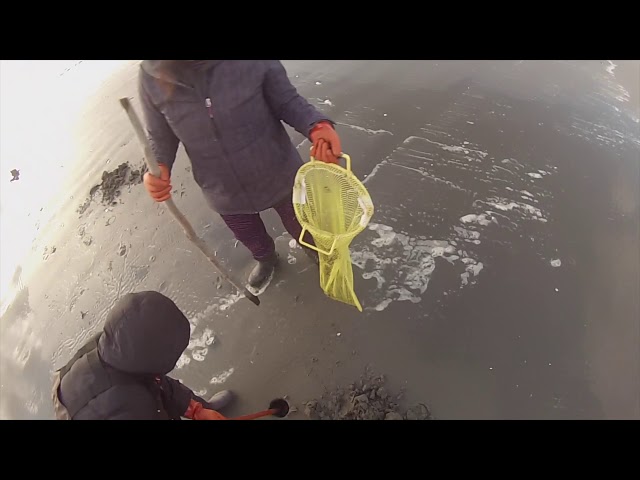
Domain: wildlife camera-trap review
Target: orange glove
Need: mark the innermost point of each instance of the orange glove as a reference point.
(326, 143)
(197, 412)
(206, 414)
(159, 188)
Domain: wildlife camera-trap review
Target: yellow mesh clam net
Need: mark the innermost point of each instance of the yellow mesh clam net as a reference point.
(333, 206)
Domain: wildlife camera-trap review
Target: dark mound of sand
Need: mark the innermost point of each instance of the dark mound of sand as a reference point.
(112, 183)
(367, 399)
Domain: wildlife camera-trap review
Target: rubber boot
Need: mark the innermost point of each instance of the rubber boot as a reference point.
(262, 271)
(221, 400)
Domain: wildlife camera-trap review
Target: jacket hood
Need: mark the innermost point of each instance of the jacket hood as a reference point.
(145, 333)
(175, 71)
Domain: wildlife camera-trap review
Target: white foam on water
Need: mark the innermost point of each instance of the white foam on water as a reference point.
(221, 378)
(419, 171)
(229, 301)
(507, 205)
(375, 171)
(198, 355)
(479, 219)
(199, 346)
(363, 129)
(449, 148)
(473, 268)
(625, 95)
(471, 236)
(611, 88)
(376, 275)
(325, 102)
(291, 260)
(556, 262)
(383, 305)
(182, 361)
(206, 338)
(534, 175)
(452, 259)
(417, 278)
(402, 265)
(600, 134)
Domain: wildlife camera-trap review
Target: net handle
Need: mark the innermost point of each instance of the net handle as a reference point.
(347, 160)
(313, 247)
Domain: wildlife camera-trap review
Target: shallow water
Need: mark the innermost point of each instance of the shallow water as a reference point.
(499, 275)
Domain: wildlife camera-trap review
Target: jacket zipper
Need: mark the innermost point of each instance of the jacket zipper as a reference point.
(209, 106)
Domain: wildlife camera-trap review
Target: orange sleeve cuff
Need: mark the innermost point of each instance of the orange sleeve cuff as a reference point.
(192, 410)
(321, 125)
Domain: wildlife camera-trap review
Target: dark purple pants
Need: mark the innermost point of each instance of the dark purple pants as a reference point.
(251, 232)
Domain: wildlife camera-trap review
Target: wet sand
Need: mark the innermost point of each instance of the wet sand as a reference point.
(499, 276)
